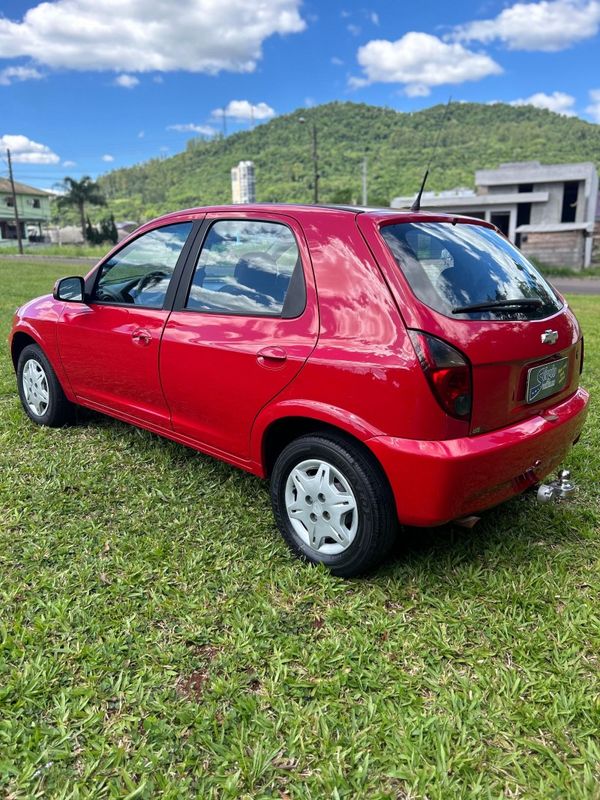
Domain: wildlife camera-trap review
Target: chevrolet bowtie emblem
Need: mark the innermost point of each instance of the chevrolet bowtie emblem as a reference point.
(549, 337)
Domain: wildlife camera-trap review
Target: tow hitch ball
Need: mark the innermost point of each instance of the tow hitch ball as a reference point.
(560, 489)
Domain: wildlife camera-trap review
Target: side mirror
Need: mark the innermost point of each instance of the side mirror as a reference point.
(70, 289)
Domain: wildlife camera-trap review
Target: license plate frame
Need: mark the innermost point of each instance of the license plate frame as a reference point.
(546, 379)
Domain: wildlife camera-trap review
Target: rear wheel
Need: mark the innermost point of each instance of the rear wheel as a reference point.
(41, 394)
(333, 504)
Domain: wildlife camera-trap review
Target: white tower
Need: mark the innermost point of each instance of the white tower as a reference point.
(243, 186)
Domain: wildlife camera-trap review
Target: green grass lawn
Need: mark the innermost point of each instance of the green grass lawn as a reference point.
(157, 639)
(60, 250)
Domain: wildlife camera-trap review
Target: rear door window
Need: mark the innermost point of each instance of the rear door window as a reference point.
(248, 267)
(451, 267)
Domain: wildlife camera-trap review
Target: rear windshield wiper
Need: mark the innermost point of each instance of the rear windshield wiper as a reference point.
(521, 302)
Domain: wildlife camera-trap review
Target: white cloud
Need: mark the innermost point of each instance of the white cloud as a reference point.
(69, 163)
(133, 36)
(559, 102)
(548, 25)
(353, 29)
(26, 151)
(337, 62)
(191, 127)
(594, 107)
(126, 81)
(374, 17)
(158, 79)
(108, 158)
(16, 74)
(420, 61)
(243, 110)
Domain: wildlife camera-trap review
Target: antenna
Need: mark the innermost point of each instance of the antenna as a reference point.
(416, 206)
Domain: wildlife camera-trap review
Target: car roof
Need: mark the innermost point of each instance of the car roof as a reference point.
(311, 209)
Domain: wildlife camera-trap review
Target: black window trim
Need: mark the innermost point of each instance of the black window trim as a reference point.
(296, 290)
(92, 281)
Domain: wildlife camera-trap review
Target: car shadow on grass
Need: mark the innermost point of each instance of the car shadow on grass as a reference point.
(509, 535)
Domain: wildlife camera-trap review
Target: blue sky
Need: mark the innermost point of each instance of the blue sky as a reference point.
(89, 85)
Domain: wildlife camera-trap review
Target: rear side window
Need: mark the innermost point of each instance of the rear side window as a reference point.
(451, 267)
(248, 267)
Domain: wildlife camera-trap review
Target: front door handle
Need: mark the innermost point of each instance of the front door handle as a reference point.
(271, 354)
(141, 337)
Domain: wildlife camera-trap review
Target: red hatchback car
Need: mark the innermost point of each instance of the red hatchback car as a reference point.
(380, 367)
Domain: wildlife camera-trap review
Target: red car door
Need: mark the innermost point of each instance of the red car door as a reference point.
(244, 323)
(110, 346)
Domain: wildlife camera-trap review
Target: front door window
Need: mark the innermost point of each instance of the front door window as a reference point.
(140, 273)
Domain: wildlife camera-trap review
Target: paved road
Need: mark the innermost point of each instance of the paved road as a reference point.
(576, 285)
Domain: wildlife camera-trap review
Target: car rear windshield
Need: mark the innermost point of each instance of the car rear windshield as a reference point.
(452, 267)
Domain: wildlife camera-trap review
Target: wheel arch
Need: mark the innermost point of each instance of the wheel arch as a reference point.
(24, 336)
(20, 340)
(284, 429)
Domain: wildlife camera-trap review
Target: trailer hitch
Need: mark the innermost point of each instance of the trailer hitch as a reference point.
(560, 489)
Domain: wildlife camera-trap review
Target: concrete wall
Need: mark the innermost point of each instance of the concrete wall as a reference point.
(596, 245)
(560, 249)
(550, 212)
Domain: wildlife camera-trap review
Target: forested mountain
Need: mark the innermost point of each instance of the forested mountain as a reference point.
(397, 146)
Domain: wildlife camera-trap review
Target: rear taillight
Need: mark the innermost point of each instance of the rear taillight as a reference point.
(448, 373)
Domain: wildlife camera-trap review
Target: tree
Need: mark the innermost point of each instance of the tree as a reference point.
(78, 194)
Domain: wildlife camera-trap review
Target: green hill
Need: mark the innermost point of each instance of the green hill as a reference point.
(396, 144)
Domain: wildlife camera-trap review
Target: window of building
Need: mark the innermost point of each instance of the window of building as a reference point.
(9, 202)
(523, 217)
(525, 187)
(501, 219)
(36, 202)
(246, 267)
(569, 205)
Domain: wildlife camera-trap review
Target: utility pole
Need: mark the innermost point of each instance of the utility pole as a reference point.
(315, 162)
(364, 182)
(14, 197)
(315, 159)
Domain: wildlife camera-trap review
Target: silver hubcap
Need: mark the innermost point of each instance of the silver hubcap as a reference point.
(35, 387)
(321, 506)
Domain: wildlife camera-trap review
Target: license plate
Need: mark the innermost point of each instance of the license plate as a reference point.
(546, 379)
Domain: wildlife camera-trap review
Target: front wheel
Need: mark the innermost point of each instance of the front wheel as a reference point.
(332, 504)
(41, 394)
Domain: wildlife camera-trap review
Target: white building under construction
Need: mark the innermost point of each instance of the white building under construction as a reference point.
(548, 210)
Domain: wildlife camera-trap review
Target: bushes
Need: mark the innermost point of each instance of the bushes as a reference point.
(104, 231)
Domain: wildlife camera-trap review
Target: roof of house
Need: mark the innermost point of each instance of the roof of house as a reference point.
(21, 188)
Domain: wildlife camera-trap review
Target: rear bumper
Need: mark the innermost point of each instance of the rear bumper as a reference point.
(435, 482)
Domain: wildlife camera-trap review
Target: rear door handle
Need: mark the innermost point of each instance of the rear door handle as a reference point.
(141, 337)
(271, 354)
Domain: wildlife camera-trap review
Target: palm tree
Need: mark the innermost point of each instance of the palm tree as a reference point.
(78, 193)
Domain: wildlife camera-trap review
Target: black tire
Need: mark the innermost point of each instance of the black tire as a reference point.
(58, 411)
(377, 525)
